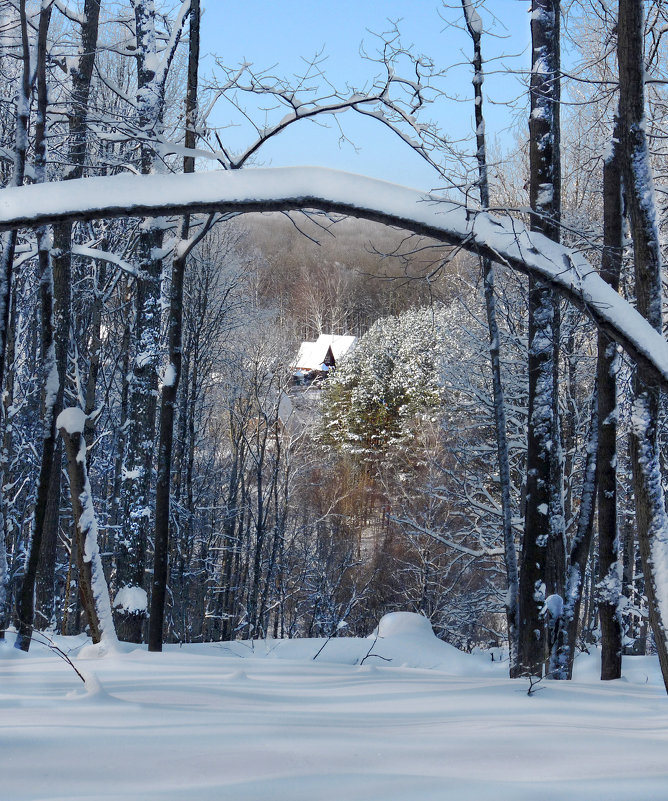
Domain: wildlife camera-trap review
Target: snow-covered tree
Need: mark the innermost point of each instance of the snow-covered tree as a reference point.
(392, 377)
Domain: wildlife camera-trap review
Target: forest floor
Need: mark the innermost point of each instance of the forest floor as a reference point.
(416, 720)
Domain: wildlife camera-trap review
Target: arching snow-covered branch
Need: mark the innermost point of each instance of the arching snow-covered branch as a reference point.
(501, 238)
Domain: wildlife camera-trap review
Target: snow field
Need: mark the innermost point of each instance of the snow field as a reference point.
(264, 721)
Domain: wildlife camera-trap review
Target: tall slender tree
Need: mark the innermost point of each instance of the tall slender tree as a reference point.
(22, 125)
(81, 72)
(172, 375)
(25, 604)
(543, 551)
(651, 520)
(609, 552)
(474, 27)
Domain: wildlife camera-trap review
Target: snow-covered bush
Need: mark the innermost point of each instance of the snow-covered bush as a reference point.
(394, 375)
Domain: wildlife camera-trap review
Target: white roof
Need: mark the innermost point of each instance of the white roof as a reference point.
(340, 345)
(312, 355)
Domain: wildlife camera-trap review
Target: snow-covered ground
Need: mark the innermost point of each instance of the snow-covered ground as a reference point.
(234, 721)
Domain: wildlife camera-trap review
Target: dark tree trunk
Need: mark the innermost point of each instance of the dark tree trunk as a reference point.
(6, 271)
(609, 564)
(18, 175)
(152, 71)
(81, 72)
(140, 435)
(652, 526)
(543, 550)
(46, 568)
(171, 381)
(25, 606)
(7, 450)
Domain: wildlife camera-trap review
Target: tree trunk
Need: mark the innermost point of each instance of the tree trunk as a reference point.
(171, 380)
(25, 606)
(93, 589)
(46, 568)
(7, 449)
(543, 551)
(116, 506)
(474, 27)
(152, 71)
(652, 525)
(609, 557)
(81, 71)
(578, 558)
(6, 270)
(94, 357)
(140, 435)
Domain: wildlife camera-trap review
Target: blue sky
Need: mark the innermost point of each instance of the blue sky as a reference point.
(282, 33)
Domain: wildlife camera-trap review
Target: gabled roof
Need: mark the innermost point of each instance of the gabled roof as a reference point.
(313, 355)
(340, 345)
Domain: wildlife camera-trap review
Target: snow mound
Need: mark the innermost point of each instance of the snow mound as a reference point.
(131, 599)
(102, 649)
(402, 623)
(400, 640)
(406, 639)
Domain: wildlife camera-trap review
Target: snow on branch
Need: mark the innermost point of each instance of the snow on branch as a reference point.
(501, 238)
(67, 11)
(103, 255)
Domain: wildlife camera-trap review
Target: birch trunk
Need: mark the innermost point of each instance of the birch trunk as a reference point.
(474, 27)
(93, 588)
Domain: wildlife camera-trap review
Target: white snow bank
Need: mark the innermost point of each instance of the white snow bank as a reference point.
(401, 639)
(215, 722)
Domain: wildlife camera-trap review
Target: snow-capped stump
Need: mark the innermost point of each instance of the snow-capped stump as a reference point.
(131, 601)
(130, 611)
(71, 421)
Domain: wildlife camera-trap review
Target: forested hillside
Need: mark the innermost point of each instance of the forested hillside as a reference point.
(489, 454)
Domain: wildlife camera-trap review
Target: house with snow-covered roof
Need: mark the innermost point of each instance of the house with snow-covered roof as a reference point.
(316, 359)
